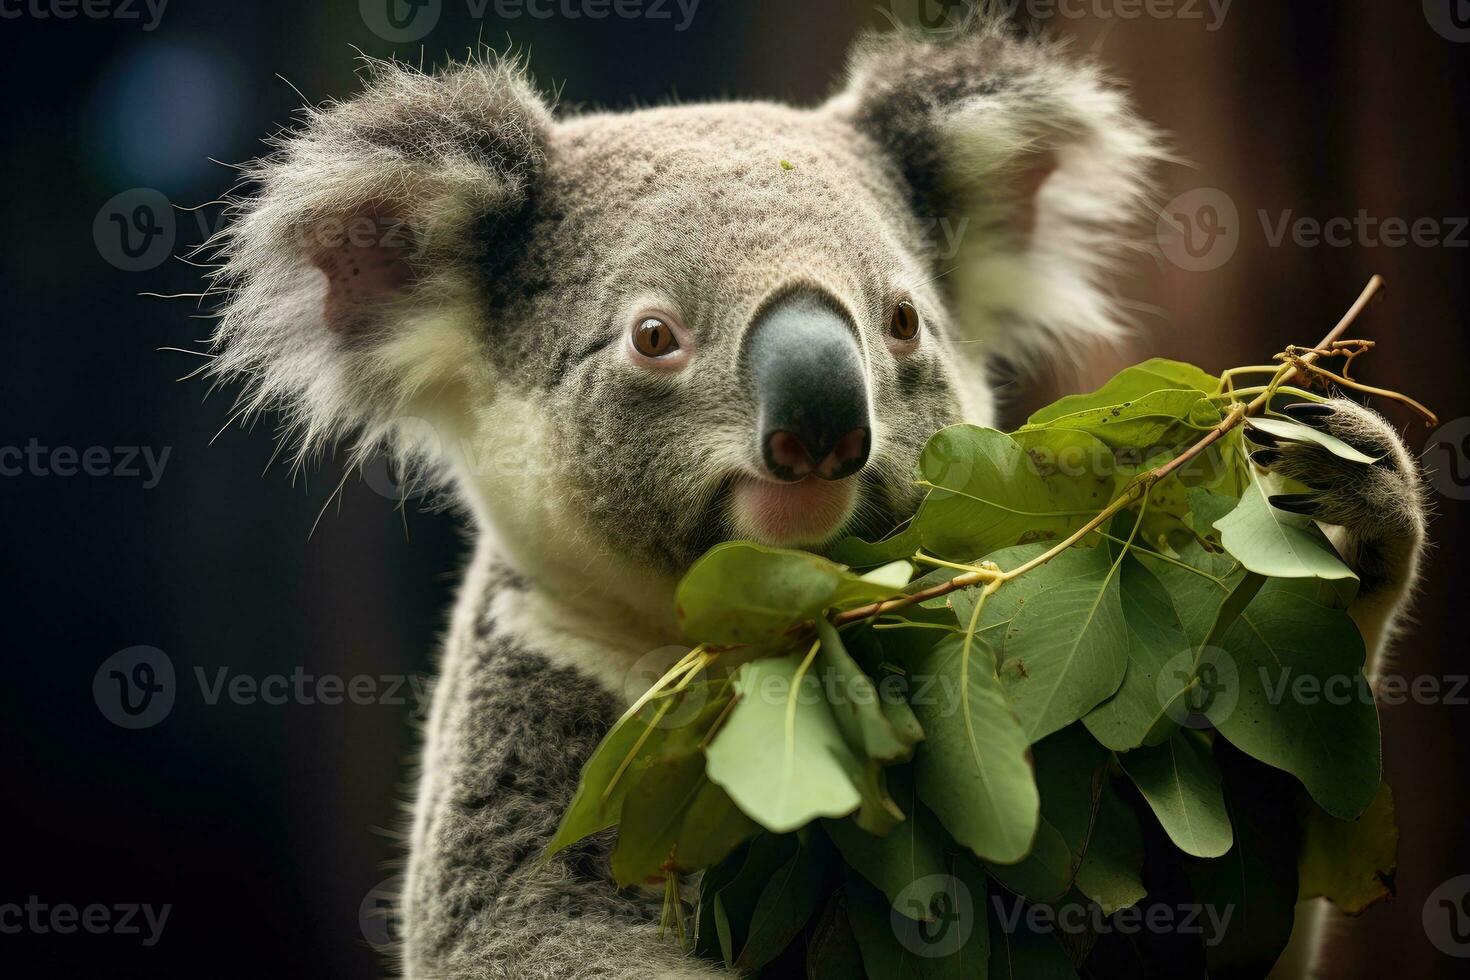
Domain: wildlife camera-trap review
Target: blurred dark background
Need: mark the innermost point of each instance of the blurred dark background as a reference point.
(268, 827)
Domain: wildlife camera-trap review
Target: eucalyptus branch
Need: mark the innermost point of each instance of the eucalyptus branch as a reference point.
(993, 577)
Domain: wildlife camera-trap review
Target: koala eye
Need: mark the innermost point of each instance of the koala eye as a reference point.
(653, 337)
(904, 324)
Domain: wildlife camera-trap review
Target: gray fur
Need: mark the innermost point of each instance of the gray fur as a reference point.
(482, 333)
(509, 736)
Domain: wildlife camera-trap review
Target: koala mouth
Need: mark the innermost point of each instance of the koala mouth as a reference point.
(807, 512)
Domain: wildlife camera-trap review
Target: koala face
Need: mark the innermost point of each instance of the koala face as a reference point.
(723, 346)
(633, 335)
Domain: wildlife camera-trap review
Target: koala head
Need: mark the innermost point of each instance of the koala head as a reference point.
(628, 336)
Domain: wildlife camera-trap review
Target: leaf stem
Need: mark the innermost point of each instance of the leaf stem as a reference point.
(1257, 389)
(796, 680)
(924, 559)
(691, 661)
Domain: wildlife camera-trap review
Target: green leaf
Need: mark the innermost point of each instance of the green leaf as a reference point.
(1071, 776)
(912, 850)
(784, 906)
(1130, 384)
(1071, 455)
(730, 890)
(1196, 597)
(1182, 786)
(742, 593)
(987, 493)
(1155, 636)
(974, 770)
(1297, 432)
(867, 725)
(1207, 507)
(1019, 952)
(1111, 872)
(863, 554)
(833, 952)
(1199, 680)
(707, 936)
(1065, 650)
(1157, 419)
(676, 820)
(632, 746)
(1350, 862)
(873, 657)
(953, 943)
(1255, 884)
(857, 706)
(1047, 872)
(1303, 705)
(891, 577)
(780, 754)
(1274, 543)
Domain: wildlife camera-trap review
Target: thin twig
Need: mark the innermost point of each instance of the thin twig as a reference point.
(1430, 419)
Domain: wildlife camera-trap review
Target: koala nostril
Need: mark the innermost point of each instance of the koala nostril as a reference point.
(787, 457)
(847, 457)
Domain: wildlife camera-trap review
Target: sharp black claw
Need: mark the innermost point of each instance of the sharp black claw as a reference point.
(1309, 413)
(1266, 457)
(1295, 503)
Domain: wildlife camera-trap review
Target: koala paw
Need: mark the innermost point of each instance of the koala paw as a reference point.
(1379, 504)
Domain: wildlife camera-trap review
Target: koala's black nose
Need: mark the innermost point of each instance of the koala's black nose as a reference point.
(812, 391)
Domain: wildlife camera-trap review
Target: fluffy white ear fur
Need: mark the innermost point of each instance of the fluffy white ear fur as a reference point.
(1041, 158)
(340, 305)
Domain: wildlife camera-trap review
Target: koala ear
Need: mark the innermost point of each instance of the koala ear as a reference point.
(347, 280)
(1024, 156)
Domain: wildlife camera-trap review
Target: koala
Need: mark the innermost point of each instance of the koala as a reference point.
(618, 338)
